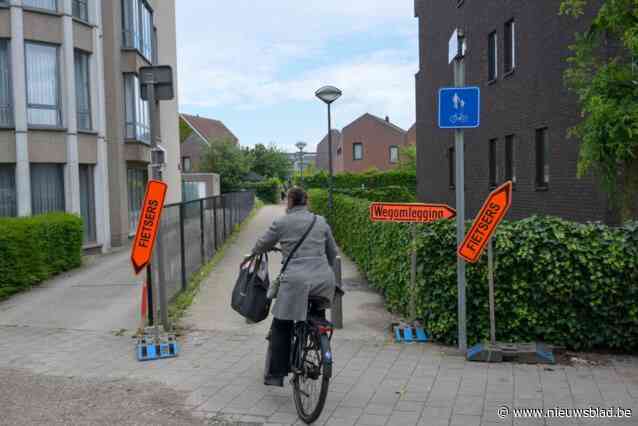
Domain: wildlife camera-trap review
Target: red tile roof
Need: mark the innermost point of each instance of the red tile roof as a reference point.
(208, 128)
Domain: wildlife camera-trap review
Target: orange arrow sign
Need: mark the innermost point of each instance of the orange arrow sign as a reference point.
(491, 214)
(148, 224)
(410, 213)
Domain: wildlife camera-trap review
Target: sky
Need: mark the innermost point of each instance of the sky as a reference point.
(255, 65)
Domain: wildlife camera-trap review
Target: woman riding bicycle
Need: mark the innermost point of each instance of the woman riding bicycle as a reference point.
(309, 273)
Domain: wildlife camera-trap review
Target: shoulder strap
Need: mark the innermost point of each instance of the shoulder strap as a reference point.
(299, 243)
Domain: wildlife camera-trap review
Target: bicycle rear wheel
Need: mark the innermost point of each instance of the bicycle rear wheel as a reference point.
(310, 384)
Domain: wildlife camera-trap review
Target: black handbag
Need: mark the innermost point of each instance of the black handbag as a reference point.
(249, 295)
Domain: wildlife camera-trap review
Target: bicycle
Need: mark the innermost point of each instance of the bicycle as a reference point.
(310, 359)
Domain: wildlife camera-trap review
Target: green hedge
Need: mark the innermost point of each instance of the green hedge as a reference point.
(33, 249)
(268, 191)
(569, 284)
(367, 180)
(387, 194)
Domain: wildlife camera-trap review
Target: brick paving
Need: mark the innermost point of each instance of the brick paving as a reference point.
(217, 379)
(218, 375)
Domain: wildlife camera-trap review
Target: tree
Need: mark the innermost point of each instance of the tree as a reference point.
(604, 75)
(269, 161)
(225, 158)
(407, 162)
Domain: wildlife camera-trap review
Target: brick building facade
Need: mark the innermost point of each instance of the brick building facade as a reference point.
(369, 142)
(517, 53)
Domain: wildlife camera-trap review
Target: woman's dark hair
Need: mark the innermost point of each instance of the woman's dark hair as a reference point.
(297, 196)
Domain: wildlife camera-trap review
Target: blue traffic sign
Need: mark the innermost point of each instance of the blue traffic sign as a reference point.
(459, 108)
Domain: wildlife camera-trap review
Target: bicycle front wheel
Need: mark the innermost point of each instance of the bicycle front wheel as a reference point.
(310, 384)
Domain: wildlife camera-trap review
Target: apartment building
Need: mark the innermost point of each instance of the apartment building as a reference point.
(137, 33)
(73, 129)
(517, 54)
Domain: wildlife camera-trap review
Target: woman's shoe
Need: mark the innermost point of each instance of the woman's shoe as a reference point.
(274, 381)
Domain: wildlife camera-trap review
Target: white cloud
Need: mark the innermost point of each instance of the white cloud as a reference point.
(239, 54)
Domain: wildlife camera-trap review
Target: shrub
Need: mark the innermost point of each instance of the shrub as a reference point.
(569, 284)
(366, 180)
(33, 249)
(269, 191)
(387, 194)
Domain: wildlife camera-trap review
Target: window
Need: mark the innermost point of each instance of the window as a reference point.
(137, 126)
(138, 27)
(339, 151)
(8, 204)
(510, 158)
(42, 4)
(492, 163)
(542, 158)
(493, 56)
(47, 188)
(43, 95)
(81, 9)
(186, 164)
(451, 152)
(137, 179)
(4, 3)
(6, 109)
(87, 202)
(357, 151)
(510, 46)
(82, 90)
(394, 154)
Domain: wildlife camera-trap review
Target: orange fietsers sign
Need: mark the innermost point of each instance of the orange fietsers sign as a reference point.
(148, 225)
(420, 213)
(491, 214)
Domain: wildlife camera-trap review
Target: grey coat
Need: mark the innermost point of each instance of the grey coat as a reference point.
(310, 271)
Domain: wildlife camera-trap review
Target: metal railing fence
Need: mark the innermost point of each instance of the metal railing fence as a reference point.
(192, 233)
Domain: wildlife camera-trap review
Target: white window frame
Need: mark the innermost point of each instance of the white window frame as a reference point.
(354, 151)
(512, 65)
(137, 27)
(140, 113)
(33, 106)
(87, 112)
(80, 6)
(492, 61)
(54, 9)
(394, 148)
(8, 107)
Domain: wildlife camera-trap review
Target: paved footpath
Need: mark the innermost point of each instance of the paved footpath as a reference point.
(59, 375)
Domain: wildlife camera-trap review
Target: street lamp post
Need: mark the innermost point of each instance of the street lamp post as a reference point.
(329, 94)
(300, 146)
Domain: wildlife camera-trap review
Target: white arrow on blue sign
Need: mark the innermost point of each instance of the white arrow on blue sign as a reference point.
(459, 107)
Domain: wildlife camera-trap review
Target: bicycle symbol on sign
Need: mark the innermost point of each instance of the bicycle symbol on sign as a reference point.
(459, 118)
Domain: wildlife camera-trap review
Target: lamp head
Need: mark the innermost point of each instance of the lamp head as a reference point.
(328, 94)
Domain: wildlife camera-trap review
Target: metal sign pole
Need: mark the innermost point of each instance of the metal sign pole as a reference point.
(413, 274)
(459, 142)
(490, 263)
(157, 175)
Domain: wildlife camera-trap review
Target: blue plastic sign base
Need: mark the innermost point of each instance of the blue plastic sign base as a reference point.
(459, 107)
(150, 349)
(485, 353)
(527, 353)
(409, 333)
